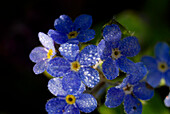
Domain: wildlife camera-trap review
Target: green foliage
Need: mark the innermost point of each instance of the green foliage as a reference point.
(155, 106)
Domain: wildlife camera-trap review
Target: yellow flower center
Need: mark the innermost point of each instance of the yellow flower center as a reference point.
(75, 66)
(70, 99)
(162, 66)
(50, 52)
(116, 53)
(72, 34)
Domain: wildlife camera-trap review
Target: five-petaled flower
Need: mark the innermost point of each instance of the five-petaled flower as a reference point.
(158, 67)
(69, 31)
(114, 52)
(129, 91)
(68, 100)
(42, 55)
(78, 63)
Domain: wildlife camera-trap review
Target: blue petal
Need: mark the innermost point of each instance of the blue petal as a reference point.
(167, 101)
(168, 61)
(46, 41)
(81, 90)
(69, 51)
(40, 67)
(86, 103)
(63, 24)
(162, 51)
(112, 33)
(89, 76)
(150, 63)
(129, 46)
(71, 109)
(55, 106)
(83, 22)
(58, 37)
(71, 82)
(85, 36)
(167, 77)
(56, 88)
(114, 97)
(58, 67)
(104, 49)
(38, 54)
(73, 41)
(110, 70)
(153, 78)
(126, 65)
(124, 82)
(89, 56)
(132, 105)
(138, 74)
(143, 91)
(115, 44)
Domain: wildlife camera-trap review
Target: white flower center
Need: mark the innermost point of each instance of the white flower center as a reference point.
(128, 89)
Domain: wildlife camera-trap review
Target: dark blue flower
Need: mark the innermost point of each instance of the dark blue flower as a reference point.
(114, 52)
(158, 67)
(79, 63)
(42, 55)
(129, 94)
(167, 100)
(68, 100)
(129, 91)
(68, 31)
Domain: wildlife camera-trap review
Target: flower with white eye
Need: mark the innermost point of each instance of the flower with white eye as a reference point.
(158, 67)
(115, 51)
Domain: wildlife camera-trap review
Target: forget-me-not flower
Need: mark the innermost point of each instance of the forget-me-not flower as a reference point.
(69, 31)
(158, 67)
(79, 63)
(129, 91)
(68, 100)
(114, 51)
(42, 55)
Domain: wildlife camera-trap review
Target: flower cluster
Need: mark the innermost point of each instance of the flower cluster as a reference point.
(72, 65)
(76, 70)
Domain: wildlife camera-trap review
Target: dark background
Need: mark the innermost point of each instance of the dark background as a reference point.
(21, 91)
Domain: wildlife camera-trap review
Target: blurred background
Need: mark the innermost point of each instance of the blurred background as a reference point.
(21, 91)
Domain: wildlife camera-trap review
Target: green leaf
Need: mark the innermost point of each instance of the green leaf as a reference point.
(133, 23)
(105, 110)
(155, 106)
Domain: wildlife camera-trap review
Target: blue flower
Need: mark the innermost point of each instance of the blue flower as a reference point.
(158, 67)
(68, 101)
(114, 52)
(42, 55)
(167, 101)
(68, 31)
(79, 63)
(129, 91)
